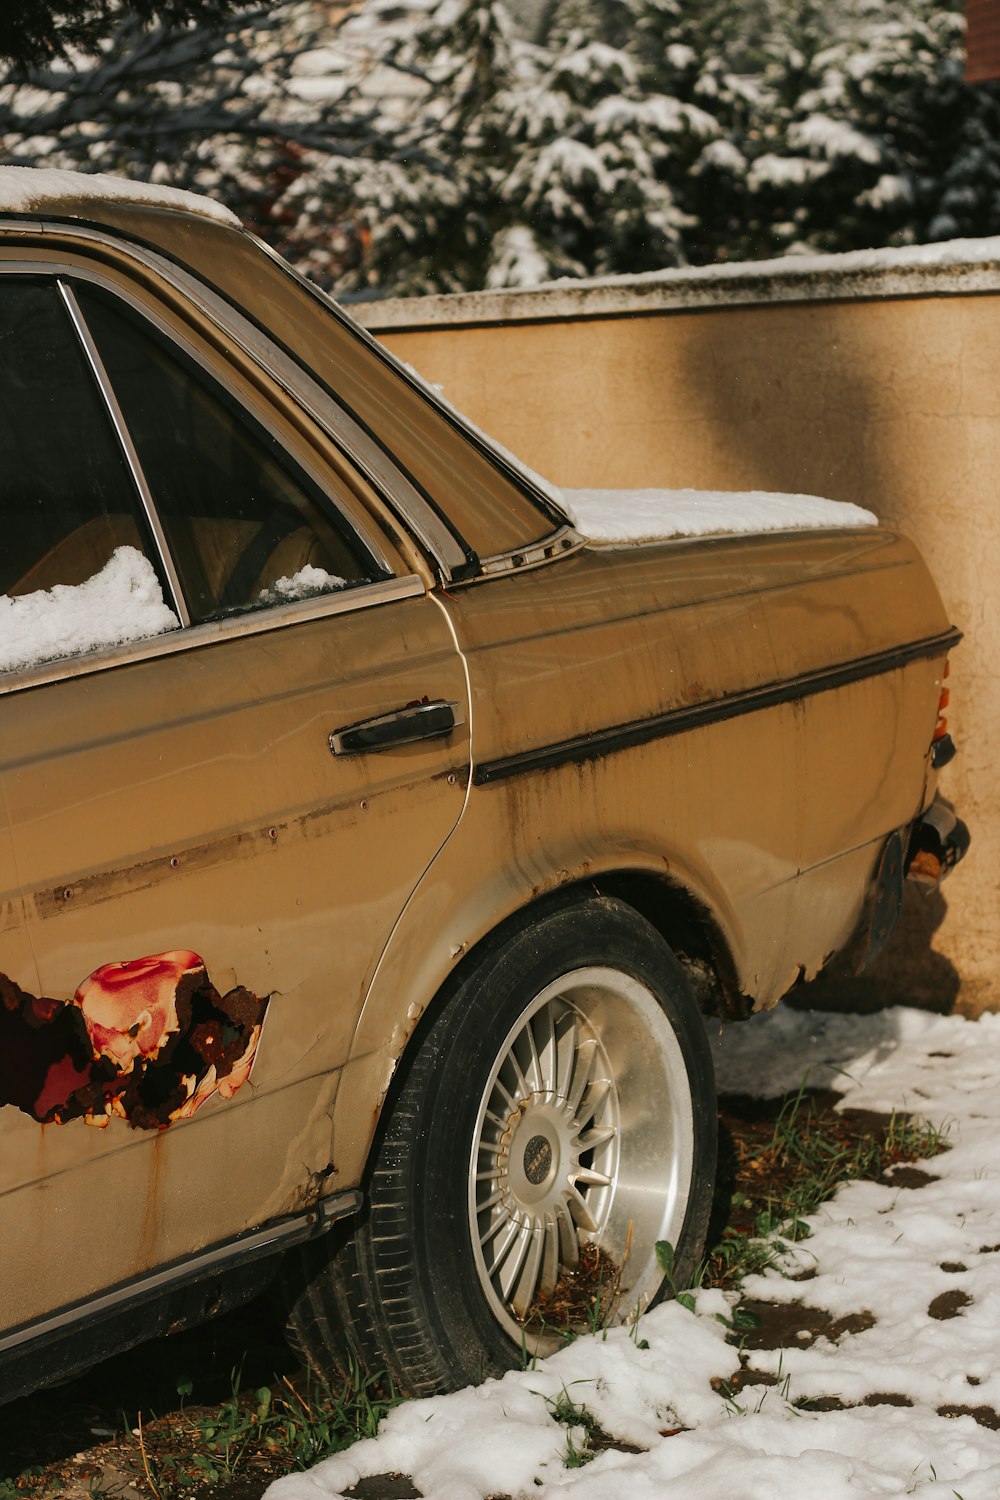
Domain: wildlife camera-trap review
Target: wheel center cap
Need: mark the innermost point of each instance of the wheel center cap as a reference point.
(537, 1160)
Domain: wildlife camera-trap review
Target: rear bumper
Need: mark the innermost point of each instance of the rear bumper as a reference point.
(925, 853)
(938, 841)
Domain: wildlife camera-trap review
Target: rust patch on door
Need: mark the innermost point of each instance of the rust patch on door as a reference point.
(146, 874)
(147, 1040)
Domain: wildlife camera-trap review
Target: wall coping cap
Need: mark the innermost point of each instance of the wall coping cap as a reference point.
(950, 268)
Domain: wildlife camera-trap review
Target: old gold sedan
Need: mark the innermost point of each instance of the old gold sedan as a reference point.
(373, 844)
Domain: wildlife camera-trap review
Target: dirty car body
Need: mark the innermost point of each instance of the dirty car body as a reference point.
(260, 869)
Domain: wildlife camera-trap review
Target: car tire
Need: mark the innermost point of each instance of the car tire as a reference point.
(559, 1108)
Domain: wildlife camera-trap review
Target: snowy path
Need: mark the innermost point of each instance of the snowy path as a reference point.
(924, 1261)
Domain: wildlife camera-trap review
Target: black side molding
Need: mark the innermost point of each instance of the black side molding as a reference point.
(696, 716)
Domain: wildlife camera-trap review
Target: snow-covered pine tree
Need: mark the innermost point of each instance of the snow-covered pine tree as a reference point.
(630, 148)
(688, 51)
(631, 134)
(875, 139)
(425, 192)
(215, 107)
(587, 182)
(941, 136)
(35, 32)
(799, 140)
(514, 163)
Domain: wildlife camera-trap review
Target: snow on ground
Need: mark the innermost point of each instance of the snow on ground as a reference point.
(123, 602)
(616, 516)
(892, 1251)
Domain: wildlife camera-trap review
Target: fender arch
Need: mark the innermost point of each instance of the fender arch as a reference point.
(437, 938)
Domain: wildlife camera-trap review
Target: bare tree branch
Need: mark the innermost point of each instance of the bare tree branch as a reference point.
(33, 32)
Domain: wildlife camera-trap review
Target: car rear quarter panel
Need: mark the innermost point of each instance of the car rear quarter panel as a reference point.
(771, 819)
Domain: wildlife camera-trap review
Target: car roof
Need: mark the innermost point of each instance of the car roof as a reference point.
(492, 504)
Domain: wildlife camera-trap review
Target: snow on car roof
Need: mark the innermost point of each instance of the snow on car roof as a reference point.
(34, 189)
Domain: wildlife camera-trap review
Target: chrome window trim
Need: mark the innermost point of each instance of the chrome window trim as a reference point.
(256, 407)
(398, 492)
(481, 441)
(521, 559)
(114, 411)
(258, 622)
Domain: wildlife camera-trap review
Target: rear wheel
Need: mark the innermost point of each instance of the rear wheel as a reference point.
(556, 1122)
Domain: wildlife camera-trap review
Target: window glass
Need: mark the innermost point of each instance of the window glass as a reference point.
(246, 529)
(67, 499)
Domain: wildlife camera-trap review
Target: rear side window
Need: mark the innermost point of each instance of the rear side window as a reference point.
(245, 527)
(67, 499)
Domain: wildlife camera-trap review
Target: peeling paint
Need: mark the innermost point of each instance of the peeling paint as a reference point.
(308, 1193)
(146, 874)
(146, 1039)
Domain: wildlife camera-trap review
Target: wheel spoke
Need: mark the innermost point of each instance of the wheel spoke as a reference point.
(499, 1125)
(500, 1221)
(548, 1275)
(535, 1065)
(500, 1088)
(546, 1041)
(580, 1210)
(598, 1136)
(569, 1241)
(526, 1289)
(507, 1268)
(590, 1178)
(594, 1102)
(522, 1088)
(566, 1047)
(586, 1052)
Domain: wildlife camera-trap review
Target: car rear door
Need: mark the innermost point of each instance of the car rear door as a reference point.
(198, 879)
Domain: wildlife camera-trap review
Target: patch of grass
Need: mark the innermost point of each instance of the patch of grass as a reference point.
(16, 1489)
(787, 1157)
(259, 1432)
(576, 1419)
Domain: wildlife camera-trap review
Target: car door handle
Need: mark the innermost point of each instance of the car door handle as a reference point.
(426, 720)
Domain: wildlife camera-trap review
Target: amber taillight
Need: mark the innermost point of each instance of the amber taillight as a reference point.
(942, 744)
(941, 727)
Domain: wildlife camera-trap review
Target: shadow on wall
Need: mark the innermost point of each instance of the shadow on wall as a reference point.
(806, 399)
(791, 399)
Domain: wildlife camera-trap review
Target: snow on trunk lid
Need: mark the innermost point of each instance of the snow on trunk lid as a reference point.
(620, 517)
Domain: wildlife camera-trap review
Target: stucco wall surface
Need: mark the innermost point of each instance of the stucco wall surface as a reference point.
(871, 379)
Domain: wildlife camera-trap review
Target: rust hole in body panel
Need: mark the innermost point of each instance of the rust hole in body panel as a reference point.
(147, 1040)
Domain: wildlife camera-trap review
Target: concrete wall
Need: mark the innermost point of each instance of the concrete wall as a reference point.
(871, 377)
